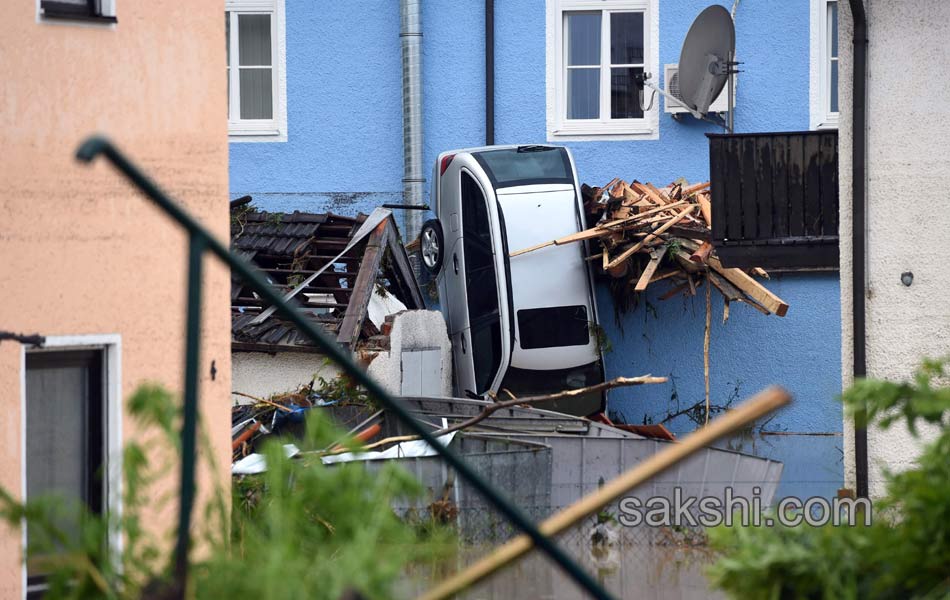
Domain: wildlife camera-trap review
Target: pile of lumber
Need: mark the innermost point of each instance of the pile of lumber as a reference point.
(644, 235)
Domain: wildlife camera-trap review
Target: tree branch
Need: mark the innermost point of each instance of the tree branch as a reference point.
(491, 408)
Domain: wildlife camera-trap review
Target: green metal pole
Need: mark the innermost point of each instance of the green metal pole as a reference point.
(98, 145)
(196, 247)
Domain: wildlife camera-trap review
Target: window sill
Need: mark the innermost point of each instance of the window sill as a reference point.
(256, 135)
(640, 129)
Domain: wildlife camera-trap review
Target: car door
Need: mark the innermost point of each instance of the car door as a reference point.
(480, 339)
(453, 267)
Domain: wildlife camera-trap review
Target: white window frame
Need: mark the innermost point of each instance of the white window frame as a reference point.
(260, 130)
(819, 88)
(111, 347)
(559, 127)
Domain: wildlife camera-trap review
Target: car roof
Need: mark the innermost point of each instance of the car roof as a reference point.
(499, 147)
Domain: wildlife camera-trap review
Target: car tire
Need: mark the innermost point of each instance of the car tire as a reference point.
(432, 246)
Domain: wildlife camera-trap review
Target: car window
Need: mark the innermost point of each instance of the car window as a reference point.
(481, 283)
(526, 165)
(553, 327)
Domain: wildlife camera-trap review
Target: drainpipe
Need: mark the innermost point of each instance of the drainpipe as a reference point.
(413, 181)
(859, 230)
(489, 72)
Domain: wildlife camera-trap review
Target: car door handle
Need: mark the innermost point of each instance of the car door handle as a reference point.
(455, 263)
(462, 338)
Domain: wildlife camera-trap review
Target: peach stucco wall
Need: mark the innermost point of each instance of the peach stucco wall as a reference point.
(80, 251)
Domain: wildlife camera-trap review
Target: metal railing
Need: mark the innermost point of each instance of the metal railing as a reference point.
(201, 241)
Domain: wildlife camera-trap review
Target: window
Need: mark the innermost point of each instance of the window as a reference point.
(65, 445)
(526, 165)
(553, 327)
(824, 64)
(481, 283)
(72, 428)
(254, 31)
(597, 53)
(100, 11)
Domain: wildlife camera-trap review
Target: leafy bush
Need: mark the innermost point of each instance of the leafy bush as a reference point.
(905, 555)
(300, 530)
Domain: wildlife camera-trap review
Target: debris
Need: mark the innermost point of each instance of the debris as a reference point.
(253, 464)
(489, 409)
(408, 449)
(641, 229)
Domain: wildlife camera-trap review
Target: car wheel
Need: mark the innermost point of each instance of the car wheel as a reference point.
(432, 245)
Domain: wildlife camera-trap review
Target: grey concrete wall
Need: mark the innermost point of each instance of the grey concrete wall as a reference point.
(907, 227)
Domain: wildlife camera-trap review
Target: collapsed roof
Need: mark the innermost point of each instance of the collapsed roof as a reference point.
(346, 273)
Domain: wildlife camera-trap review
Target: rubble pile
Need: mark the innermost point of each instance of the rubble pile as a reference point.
(644, 235)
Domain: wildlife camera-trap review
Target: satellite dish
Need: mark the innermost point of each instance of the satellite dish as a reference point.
(704, 60)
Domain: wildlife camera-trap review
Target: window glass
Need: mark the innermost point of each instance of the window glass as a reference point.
(583, 64)
(626, 38)
(486, 354)
(553, 327)
(625, 93)
(254, 40)
(833, 56)
(64, 433)
(525, 165)
(583, 38)
(583, 93)
(254, 62)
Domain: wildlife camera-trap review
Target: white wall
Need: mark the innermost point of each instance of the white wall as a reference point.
(413, 330)
(908, 227)
(262, 375)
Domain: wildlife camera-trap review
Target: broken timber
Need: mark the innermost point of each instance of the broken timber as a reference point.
(647, 234)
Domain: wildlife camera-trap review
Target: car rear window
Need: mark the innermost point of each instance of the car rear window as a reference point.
(526, 165)
(553, 327)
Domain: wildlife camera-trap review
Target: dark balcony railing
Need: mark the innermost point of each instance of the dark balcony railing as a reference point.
(775, 199)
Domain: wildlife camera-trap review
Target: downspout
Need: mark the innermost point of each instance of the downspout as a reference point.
(489, 72)
(413, 181)
(859, 232)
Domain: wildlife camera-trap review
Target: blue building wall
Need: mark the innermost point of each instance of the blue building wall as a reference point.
(344, 154)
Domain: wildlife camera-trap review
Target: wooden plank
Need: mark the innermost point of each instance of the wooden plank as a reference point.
(692, 189)
(829, 183)
(763, 186)
(796, 186)
(718, 174)
(751, 288)
(630, 251)
(780, 186)
(812, 186)
(706, 208)
(647, 275)
(732, 293)
(750, 209)
(407, 282)
(364, 287)
(732, 207)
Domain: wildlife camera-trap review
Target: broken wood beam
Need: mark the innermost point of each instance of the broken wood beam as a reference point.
(629, 252)
(751, 288)
(648, 271)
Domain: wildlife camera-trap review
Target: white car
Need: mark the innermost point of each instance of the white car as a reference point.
(526, 323)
